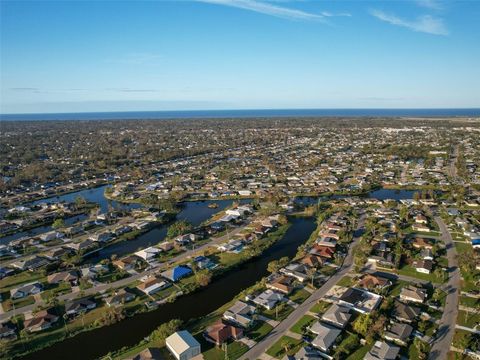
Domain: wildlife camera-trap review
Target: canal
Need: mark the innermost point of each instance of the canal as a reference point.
(98, 342)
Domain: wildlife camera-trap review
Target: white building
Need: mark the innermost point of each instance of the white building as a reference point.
(183, 345)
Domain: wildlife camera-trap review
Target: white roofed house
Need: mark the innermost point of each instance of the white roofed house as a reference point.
(183, 345)
(148, 253)
(240, 313)
(326, 336)
(51, 235)
(337, 315)
(268, 299)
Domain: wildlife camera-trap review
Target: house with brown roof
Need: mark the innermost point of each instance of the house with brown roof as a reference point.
(312, 261)
(220, 332)
(64, 276)
(322, 251)
(42, 320)
(422, 243)
(282, 283)
(126, 263)
(369, 281)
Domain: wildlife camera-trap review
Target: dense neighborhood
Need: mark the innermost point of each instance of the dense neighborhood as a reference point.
(371, 232)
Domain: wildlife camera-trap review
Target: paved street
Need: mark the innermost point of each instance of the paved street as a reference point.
(130, 279)
(257, 351)
(445, 332)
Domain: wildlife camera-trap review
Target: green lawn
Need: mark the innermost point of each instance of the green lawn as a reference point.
(360, 353)
(285, 343)
(395, 290)
(346, 281)
(8, 304)
(210, 351)
(299, 296)
(259, 330)
(306, 320)
(463, 247)
(410, 271)
(16, 280)
(320, 307)
(468, 319)
(469, 301)
(283, 311)
(54, 290)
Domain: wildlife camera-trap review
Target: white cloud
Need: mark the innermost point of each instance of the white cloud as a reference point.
(329, 14)
(268, 9)
(426, 23)
(430, 4)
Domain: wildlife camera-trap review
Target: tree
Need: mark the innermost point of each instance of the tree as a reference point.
(165, 330)
(275, 265)
(179, 228)
(58, 223)
(422, 348)
(362, 324)
(203, 277)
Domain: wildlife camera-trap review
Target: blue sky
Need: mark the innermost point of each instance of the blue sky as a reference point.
(71, 56)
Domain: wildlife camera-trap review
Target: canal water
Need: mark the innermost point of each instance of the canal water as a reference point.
(195, 212)
(98, 342)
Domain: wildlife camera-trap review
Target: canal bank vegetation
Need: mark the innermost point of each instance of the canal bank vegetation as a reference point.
(103, 315)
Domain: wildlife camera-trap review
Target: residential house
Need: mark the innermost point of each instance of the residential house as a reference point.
(423, 266)
(372, 282)
(32, 263)
(120, 297)
(326, 336)
(26, 290)
(283, 284)
(42, 320)
(307, 353)
(70, 276)
(51, 235)
(422, 243)
(7, 331)
(312, 261)
(126, 263)
(338, 316)
(413, 294)
(166, 246)
(148, 354)
(405, 313)
(183, 345)
(177, 273)
(203, 262)
(360, 300)
(382, 350)
(268, 299)
(220, 332)
(152, 284)
(79, 306)
(148, 254)
(296, 270)
(399, 333)
(240, 313)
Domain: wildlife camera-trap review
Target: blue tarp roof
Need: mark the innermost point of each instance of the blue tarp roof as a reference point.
(179, 272)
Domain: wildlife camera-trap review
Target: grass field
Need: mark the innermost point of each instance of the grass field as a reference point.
(320, 307)
(284, 345)
(259, 331)
(299, 296)
(304, 321)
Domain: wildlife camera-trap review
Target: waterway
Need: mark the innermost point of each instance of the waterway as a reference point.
(98, 342)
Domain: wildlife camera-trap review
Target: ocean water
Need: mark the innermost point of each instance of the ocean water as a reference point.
(134, 115)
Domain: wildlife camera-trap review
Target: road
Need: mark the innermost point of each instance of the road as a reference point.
(124, 282)
(446, 330)
(452, 168)
(256, 351)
